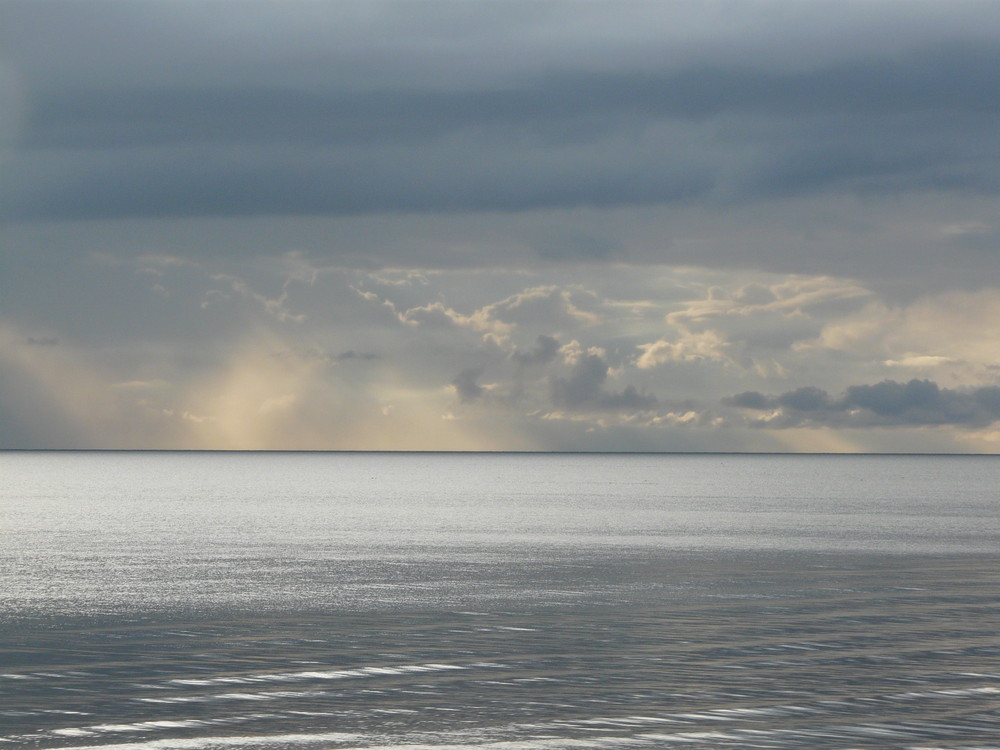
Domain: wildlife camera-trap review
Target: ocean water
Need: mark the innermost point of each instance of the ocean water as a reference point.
(162, 601)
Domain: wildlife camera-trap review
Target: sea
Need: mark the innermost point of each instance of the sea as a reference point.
(325, 601)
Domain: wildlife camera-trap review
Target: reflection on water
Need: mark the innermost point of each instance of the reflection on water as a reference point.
(820, 652)
(124, 631)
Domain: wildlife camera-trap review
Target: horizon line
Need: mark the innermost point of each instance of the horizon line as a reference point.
(492, 452)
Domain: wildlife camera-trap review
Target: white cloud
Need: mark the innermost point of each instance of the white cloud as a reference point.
(966, 228)
(276, 306)
(954, 332)
(792, 297)
(141, 385)
(706, 345)
(919, 361)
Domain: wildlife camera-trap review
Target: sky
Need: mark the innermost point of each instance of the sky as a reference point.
(721, 225)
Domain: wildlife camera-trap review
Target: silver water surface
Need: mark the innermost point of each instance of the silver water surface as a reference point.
(159, 601)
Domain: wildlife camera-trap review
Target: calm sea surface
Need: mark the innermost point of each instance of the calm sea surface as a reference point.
(162, 601)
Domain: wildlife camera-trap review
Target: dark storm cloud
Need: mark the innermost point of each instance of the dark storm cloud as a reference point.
(889, 403)
(423, 112)
(584, 390)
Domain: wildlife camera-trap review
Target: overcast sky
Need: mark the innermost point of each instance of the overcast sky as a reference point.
(749, 225)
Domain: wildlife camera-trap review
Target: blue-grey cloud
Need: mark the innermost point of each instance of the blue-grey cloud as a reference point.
(465, 384)
(544, 351)
(584, 390)
(359, 132)
(885, 404)
(559, 107)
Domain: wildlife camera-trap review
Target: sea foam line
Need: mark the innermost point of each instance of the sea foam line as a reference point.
(332, 674)
(211, 743)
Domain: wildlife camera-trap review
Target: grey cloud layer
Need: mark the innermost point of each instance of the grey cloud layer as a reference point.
(950, 77)
(518, 121)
